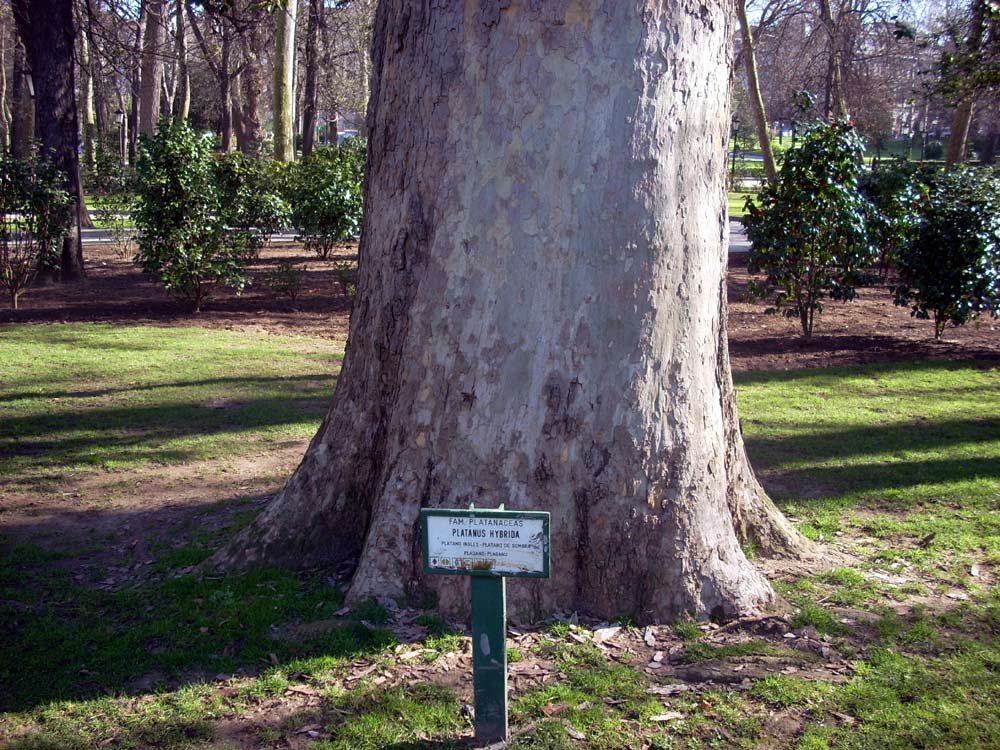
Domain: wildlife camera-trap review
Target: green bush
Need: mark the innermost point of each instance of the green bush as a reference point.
(950, 272)
(809, 230)
(896, 192)
(325, 192)
(251, 193)
(35, 214)
(198, 213)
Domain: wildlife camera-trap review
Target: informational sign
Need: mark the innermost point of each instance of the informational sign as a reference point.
(499, 543)
(488, 546)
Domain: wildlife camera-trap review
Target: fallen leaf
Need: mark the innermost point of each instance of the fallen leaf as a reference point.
(573, 732)
(301, 690)
(679, 687)
(554, 709)
(308, 728)
(603, 634)
(649, 636)
(658, 656)
(668, 716)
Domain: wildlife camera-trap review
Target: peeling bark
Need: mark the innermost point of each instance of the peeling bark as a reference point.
(540, 314)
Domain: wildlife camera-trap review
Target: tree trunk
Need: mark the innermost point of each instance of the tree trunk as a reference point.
(48, 29)
(225, 78)
(151, 74)
(835, 106)
(4, 109)
(252, 84)
(311, 93)
(959, 135)
(22, 122)
(136, 85)
(753, 91)
(540, 315)
(89, 117)
(284, 83)
(183, 75)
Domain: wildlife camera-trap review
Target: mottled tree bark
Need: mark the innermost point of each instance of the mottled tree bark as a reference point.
(540, 314)
(48, 30)
(284, 82)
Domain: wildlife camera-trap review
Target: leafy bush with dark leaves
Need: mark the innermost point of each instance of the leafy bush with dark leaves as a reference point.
(325, 192)
(950, 272)
(896, 190)
(809, 230)
(201, 217)
(35, 214)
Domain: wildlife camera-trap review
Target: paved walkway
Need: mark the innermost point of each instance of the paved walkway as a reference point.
(738, 242)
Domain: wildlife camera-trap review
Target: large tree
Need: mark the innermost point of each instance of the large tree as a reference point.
(540, 316)
(48, 29)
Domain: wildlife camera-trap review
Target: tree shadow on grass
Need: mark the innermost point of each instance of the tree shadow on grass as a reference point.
(95, 435)
(160, 627)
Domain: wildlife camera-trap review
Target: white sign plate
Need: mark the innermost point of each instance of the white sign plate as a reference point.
(514, 545)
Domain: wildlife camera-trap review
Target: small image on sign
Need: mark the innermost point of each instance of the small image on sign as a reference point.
(504, 543)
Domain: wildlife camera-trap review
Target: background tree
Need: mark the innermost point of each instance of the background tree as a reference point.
(540, 314)
(48, 29)
(284, 82)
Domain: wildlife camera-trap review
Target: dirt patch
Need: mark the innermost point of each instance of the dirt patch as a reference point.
(116, 291)
(866, 330)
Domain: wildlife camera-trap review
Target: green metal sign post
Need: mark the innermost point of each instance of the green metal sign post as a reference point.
(488, 546)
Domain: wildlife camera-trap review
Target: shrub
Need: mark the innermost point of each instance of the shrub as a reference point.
(35, 213)
(194, 219)
(951, 270)
(253, 208)
(896, 193)
(809, 229)
(325, 193)
(286, 280)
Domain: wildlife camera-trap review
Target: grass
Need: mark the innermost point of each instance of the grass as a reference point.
(86, 398)
(907, 455)
(736, 204)
(901, 463)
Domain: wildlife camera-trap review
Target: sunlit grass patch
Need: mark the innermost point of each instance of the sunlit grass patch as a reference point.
(84, 398)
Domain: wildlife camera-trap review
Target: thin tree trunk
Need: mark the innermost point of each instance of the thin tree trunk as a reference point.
(4, 109)
(183, 74)
(311, 93)
(226, 89)
(133, 115)
(22, 123)
(963, 111)
(151, 74)
(88, 116)
(284, 83)
(753, 90)
(539, 320)
(49, 32)
(252, 84)
(835, 106)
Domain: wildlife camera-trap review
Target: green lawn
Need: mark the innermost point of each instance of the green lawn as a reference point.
(89, 398)
(736, 204)
(898, 464)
